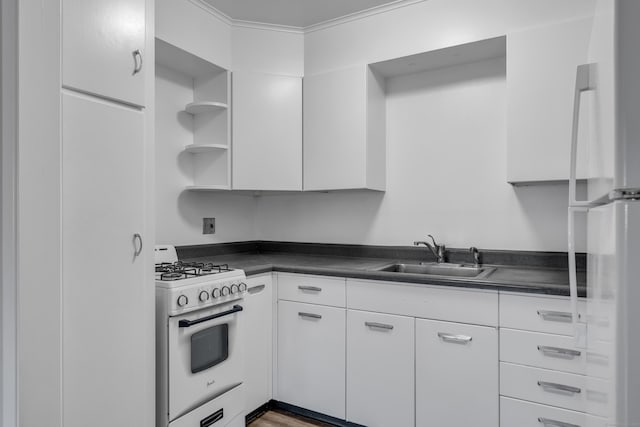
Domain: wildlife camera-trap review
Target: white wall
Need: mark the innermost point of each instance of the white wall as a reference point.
(470, 156)
(429, 25)
(179, 212)
(189, 26)
(268, 51)
(446, 171)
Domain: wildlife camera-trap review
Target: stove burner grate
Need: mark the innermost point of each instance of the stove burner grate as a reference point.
(184, 270)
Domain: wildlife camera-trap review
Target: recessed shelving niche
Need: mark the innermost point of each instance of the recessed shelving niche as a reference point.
(208, 115)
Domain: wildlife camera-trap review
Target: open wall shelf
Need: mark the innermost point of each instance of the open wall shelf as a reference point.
(208, 113)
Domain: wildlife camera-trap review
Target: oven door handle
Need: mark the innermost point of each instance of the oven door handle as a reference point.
(186, 323)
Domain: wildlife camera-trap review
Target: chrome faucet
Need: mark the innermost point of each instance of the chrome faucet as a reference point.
(437, 250)
(476, 256)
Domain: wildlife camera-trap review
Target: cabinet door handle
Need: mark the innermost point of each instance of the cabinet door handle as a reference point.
(309, 315)
(378, 325)
(559, 387)
(556, 316)
(559, 352)
(547, 422)
(310, 288)
(458, 339)
(137, 61)
(137, 243)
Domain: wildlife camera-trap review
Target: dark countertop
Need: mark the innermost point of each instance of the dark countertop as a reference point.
(553, 281)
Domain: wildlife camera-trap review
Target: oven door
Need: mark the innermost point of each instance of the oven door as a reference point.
(205, 358)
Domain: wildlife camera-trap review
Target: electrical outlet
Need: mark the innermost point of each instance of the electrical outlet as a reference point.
(208, 225)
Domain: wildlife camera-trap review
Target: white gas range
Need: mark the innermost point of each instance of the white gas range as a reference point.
(199, 336)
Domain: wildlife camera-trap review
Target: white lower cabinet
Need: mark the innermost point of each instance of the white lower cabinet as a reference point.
(456, 375)
(258, 321)
(380, 369)
(311, 357)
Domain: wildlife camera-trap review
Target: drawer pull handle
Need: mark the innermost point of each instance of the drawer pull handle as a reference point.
(546, 422)
(309, 315)
(378, 325)
(565, 353)
(310, 288)
(559, 387)
(556, 316)
(458, 339)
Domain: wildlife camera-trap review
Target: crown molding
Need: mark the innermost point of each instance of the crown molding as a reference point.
(303, 30)
(360, 15)
(213, 11)
(268, 27)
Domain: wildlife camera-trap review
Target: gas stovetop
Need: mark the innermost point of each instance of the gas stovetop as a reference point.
(179, 270)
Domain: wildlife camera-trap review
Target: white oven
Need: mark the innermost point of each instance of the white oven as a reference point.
(199, 338)
(205, 359)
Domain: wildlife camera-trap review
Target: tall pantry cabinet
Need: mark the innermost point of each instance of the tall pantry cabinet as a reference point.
(107, 289)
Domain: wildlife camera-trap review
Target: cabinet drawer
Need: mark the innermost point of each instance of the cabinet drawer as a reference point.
(438, 303)
(541, 350)
(312, 289)
(538, 314)
(517, 413)
(554, 388)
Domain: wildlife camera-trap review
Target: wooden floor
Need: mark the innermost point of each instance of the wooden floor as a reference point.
(284, 419)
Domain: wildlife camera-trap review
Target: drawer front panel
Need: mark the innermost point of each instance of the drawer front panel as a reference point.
(517, 413)
(455, 305)
(312, 289)
(569, 391)
(541, 350)
(538, 314)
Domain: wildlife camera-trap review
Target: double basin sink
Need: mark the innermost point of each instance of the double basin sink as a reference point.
(441, 270)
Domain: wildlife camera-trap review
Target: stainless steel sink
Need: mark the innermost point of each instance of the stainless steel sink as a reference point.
(442, 269)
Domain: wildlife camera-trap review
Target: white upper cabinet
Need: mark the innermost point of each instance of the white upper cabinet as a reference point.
(541, 73)
(267, 132)
(103, 48)
(344, 130)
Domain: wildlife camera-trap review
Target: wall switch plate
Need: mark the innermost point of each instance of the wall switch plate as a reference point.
(208, 225)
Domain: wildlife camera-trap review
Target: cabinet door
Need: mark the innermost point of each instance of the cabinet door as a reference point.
(267, 132)
(541, 73)
(380, 369)
(456, 375)
(344, 130)
(311, 357)
(103, 46)
(107, 318)
(258, 320)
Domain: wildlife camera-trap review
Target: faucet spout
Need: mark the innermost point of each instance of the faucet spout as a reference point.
(436, 249)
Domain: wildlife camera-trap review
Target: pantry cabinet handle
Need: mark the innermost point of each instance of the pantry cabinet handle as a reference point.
(137, 61)
(310, 288)
(309, 315)
(553, 423)
(137, 238)
(556, 316)
(559, 387)
(378, 325)
(458, 339)
(559, 352)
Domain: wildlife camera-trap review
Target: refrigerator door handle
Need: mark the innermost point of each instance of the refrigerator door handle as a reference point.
(579, 328)
(584, 83)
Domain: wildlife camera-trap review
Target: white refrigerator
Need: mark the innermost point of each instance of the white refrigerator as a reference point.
(607, 159)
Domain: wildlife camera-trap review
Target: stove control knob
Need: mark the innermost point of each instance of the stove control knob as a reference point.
(215, 293)
(242, 286)
(225, 291)
(183, 300)
(204, 296)
(234, 289)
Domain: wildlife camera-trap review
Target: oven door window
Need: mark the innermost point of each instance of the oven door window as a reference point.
(209, 347)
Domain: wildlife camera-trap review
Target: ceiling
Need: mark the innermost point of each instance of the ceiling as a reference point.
(293, 13)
